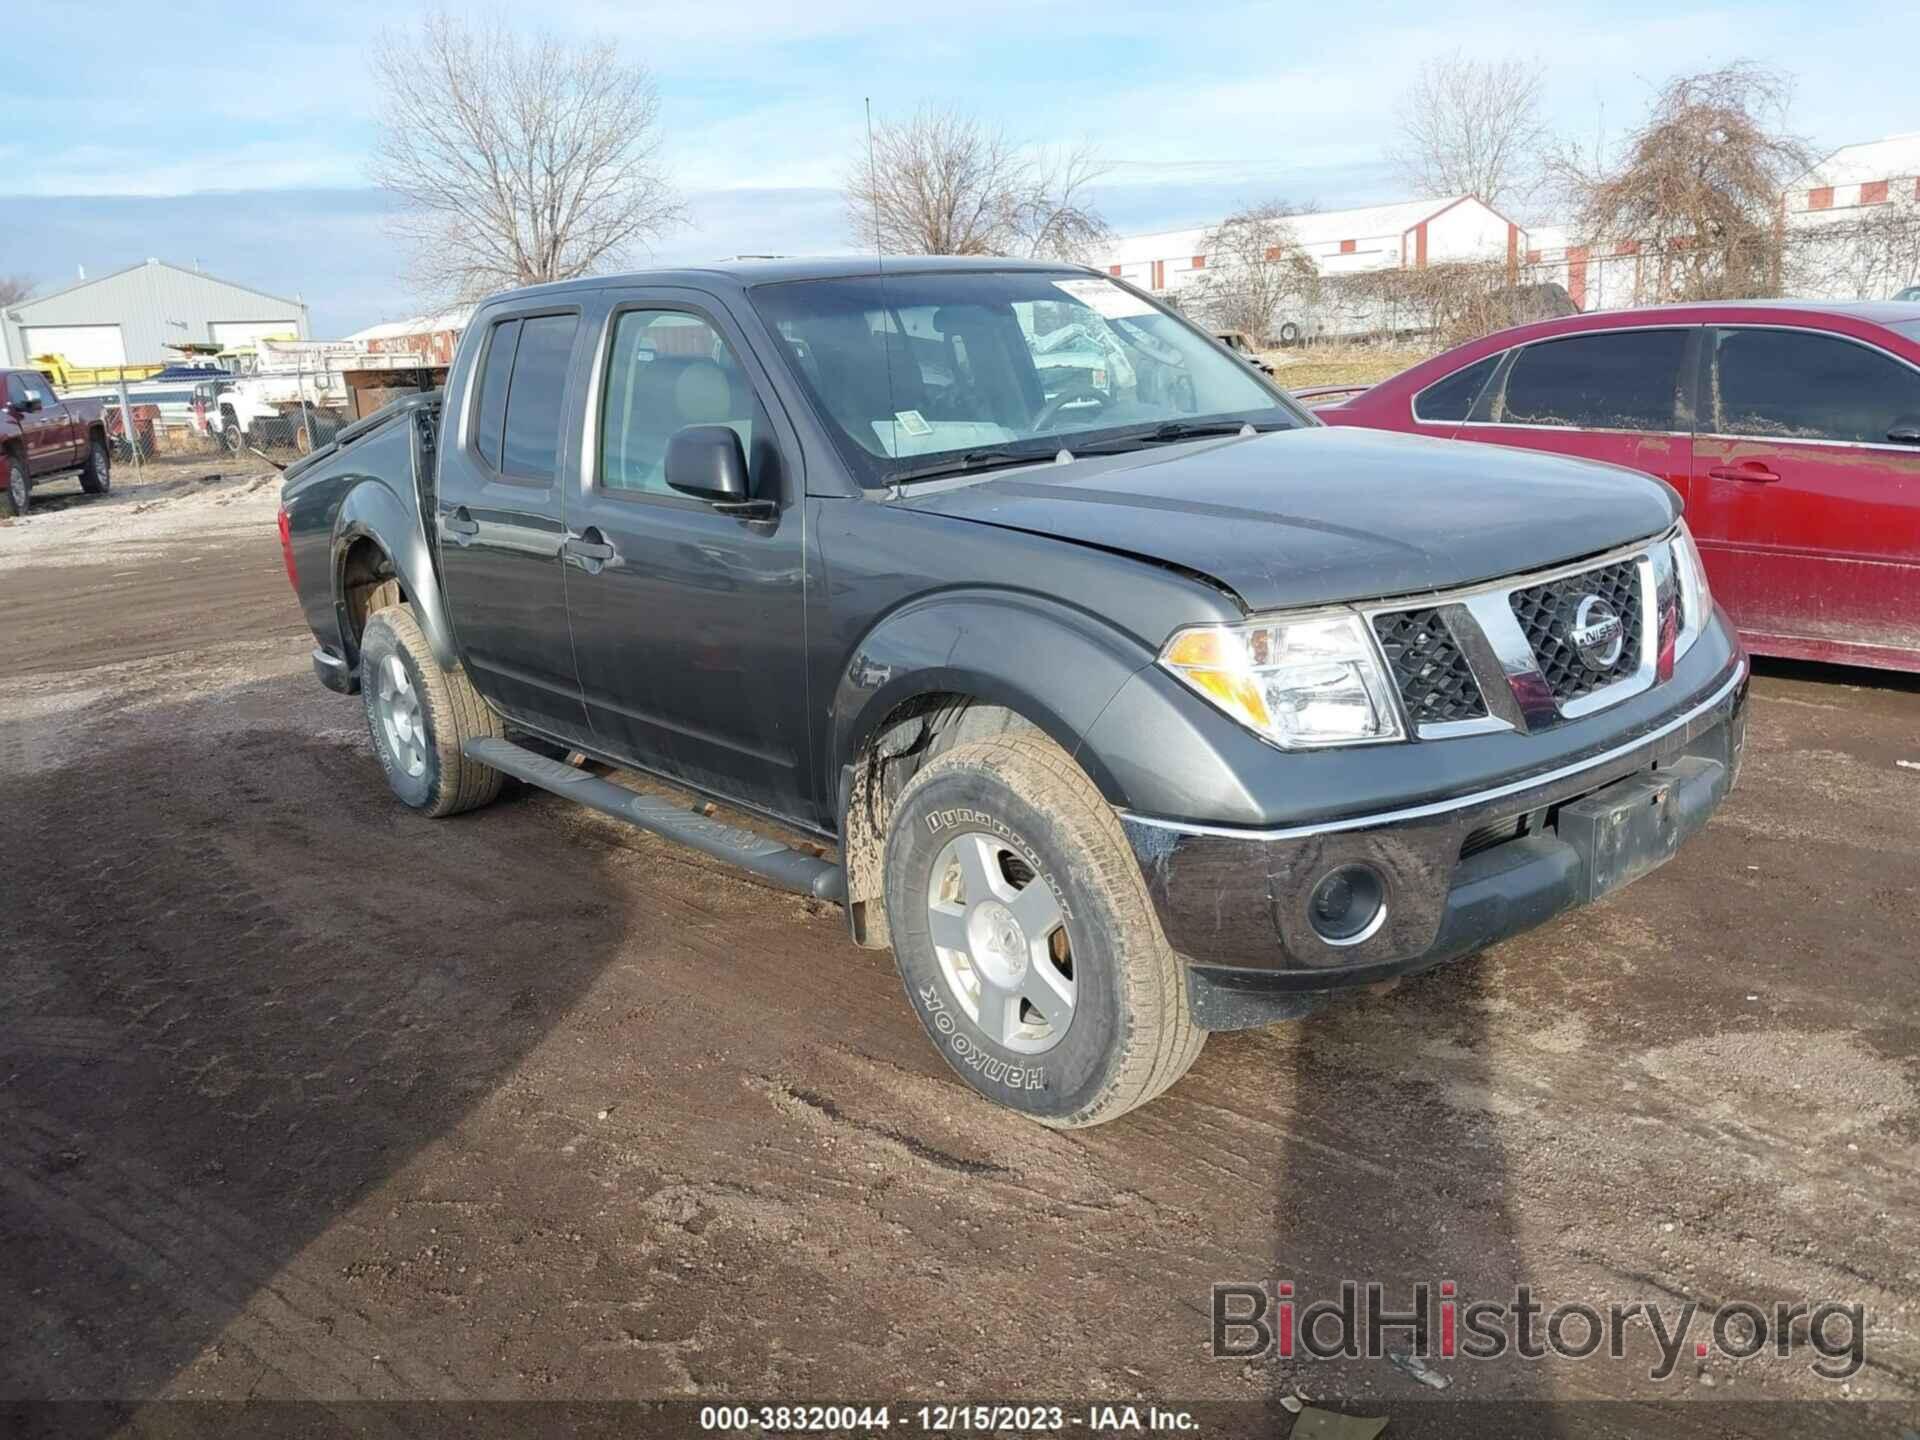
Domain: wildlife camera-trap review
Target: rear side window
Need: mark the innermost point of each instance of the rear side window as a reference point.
(1453, 397)
(1791, 385)
(1615, 380)
(496, 372)
(531, 449)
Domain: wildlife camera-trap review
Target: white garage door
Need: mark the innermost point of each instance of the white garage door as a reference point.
(77, 344)
(231, 334)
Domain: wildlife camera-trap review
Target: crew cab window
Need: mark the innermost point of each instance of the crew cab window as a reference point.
(1453, 397)
(1612, 380)
(16, 390)
(1791, 385)
(531, 447)
(34, 385)
(667, 370)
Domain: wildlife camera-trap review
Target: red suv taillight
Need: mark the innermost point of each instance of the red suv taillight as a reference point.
(286, 551)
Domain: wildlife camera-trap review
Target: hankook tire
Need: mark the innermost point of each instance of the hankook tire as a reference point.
(1025, 938)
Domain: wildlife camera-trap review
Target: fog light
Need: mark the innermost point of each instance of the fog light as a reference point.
(1348, 905)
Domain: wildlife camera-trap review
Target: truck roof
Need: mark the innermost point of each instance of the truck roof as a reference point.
(776, 270)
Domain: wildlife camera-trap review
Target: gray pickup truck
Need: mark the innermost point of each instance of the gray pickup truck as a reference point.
(1128, 706)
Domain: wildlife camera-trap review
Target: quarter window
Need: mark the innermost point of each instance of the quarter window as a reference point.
(1613, 380)
(1453, 397)
(1792, 385)
(668, 370)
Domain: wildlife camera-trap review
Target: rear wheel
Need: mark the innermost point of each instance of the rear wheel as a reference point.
(18, 486)
(420, 715)
(96, 478)
(1024, 934)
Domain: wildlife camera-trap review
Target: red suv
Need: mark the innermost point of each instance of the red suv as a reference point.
(1792, 430)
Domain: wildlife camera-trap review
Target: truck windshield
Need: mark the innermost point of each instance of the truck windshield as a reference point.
(918, 369)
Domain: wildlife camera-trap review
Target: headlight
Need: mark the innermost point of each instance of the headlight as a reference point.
(1696, 601)
(1315, 680)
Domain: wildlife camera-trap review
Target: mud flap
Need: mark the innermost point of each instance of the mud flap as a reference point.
(1636, 824)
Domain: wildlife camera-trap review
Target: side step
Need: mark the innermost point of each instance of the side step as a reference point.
(769, 859)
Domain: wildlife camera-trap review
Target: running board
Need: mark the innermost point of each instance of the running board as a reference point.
(769, 859)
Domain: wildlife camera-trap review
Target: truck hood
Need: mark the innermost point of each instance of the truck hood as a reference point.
(1323, 515)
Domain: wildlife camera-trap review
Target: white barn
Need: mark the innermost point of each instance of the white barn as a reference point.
(1413, 233)
(1864, 201)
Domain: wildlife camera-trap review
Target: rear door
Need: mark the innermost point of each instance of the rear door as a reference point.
(1622, 396)
(690, 622)
(499, 516)
(1807, 512)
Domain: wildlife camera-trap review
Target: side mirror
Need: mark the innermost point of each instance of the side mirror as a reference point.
(32, 404)
(706, 461)
(1905, 430)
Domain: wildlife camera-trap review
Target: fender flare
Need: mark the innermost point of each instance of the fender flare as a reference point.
(1055, 665)
(372, 511)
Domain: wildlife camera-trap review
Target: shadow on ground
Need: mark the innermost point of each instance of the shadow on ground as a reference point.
(240, 989)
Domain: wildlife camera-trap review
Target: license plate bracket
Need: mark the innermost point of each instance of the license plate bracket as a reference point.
(1635, 825)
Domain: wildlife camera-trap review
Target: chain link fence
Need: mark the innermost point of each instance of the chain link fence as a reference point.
(280, 415)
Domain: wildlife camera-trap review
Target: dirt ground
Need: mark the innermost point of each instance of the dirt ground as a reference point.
(302, 1096)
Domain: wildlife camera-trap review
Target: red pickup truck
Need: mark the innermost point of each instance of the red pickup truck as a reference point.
(43, 436)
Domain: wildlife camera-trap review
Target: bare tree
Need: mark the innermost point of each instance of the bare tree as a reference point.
(1698, 185)
(1472, 127)
(1257, 274)
(516, 162)
(945, 183)
(14, 289)
(1052, 216)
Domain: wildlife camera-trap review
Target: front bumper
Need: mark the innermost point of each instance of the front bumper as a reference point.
(1459, 874)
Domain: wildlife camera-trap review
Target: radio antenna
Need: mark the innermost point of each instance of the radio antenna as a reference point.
(886, 311)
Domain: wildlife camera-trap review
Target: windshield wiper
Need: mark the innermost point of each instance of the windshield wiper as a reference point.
(1170, 431)
(998, 457)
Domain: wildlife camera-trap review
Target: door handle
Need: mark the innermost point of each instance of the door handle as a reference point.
(591, 546)
(460, 525)
(1754, 472)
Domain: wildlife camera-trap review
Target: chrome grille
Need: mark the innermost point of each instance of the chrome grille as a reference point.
(1547, 613)
(1429, 669)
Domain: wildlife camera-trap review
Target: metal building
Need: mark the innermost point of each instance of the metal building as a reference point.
(132, 315)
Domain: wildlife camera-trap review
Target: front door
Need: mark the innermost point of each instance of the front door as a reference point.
(45, 430)
(1806, 509)
(1621, 396)
(689, 623)
(500, 523)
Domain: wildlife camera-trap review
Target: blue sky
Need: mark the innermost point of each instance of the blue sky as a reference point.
(235, 134)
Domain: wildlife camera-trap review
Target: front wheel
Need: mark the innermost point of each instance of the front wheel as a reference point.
(1023, 931)
(420, 715)
(232, 436)
(96, 478)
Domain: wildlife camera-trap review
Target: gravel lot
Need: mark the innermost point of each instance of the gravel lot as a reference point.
(302, 1096)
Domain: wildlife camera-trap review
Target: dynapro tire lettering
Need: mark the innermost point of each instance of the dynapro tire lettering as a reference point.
(972, 1054)
(939, 820)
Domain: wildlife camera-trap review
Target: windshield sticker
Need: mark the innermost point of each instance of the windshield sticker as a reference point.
(1105, 298)
(912, 422)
